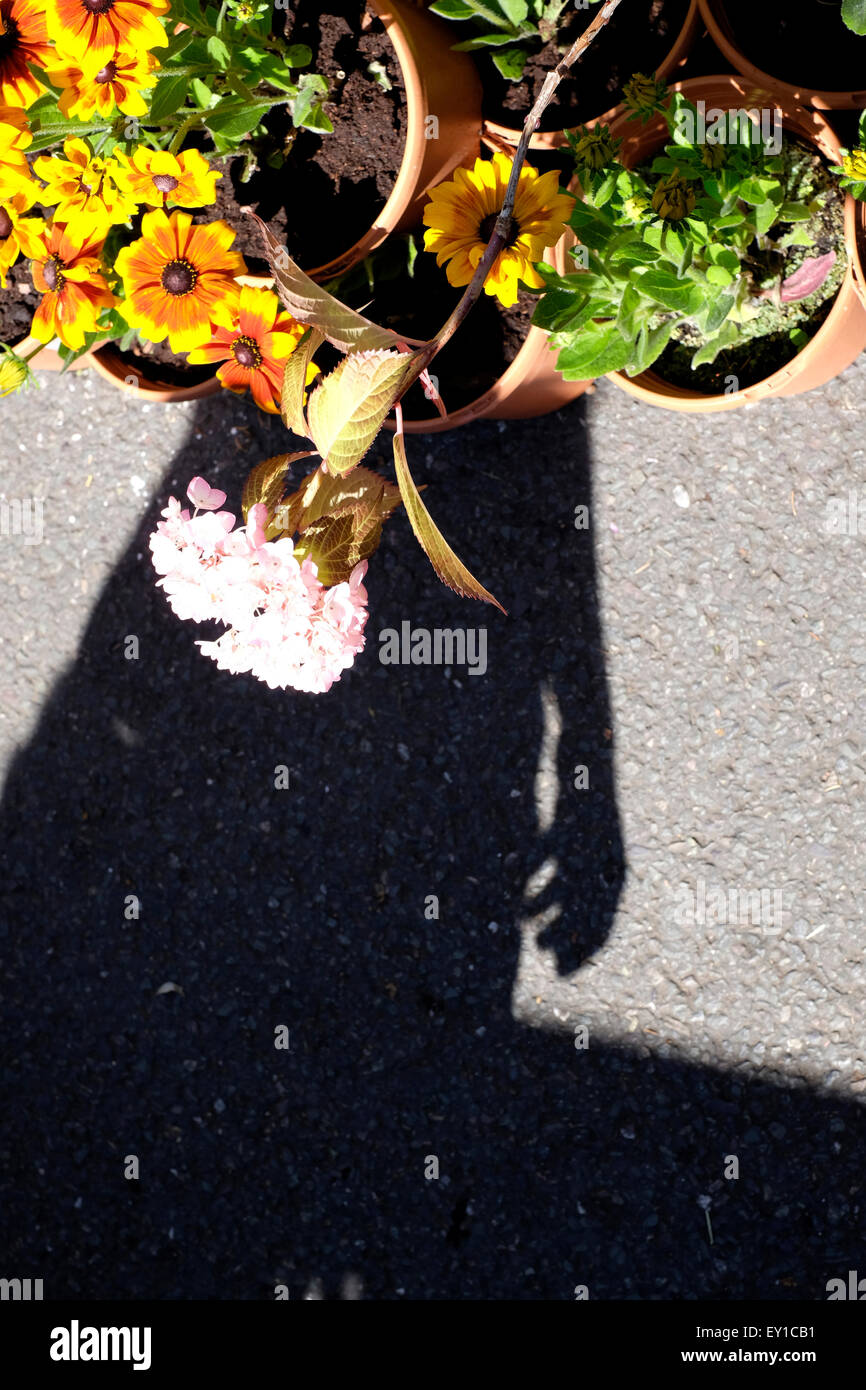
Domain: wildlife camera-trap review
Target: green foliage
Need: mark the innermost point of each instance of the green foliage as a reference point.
(509, 27)
(689, 239)
(854, 15)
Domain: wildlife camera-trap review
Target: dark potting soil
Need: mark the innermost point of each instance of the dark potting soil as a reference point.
(766, 344)
(331, 188)
(18, 303)
(805, 43)
(481, 349)
(637, 38)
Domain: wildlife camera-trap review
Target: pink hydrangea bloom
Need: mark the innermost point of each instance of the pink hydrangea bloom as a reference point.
(283, 626)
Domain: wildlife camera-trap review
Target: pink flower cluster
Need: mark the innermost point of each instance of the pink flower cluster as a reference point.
(284, 626)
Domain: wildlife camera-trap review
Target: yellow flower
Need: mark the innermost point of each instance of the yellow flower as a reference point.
(68, 275)
(854, 164)
(19, 236)
(13, 373)
(674, 197)
(461, 213)
(161, 179)
(90, 86)
(15, 174)
(82, 185)
(99, 28)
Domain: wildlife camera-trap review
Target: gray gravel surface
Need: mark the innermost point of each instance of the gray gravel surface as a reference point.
(698, 649)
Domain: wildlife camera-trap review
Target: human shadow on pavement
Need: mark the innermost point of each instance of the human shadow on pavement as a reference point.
(311, 909)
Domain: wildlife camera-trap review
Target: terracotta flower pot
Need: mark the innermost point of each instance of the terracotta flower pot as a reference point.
(842, 335)
(504, 135)
(715, 17)
(48, 359)
(529, 386)
(443, 111)
(441, 85)
(860, 251)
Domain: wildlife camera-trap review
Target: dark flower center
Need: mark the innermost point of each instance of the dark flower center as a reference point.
(97, 6)
(5, 224)
(106, 74)
(8, 37)
(247, 354)
(165, 183)
(53, 275)
(485, 231)
(179, 278)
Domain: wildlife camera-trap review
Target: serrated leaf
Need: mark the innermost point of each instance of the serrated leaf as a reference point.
(347, 409)
(267, 481)
(446, 564)
(854, 15)
(351, 529)
(295, 382)
(314, 307)
(322, 494)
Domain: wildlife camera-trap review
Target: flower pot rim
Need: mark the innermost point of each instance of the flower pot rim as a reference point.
(555, 139)
(649, 386)
(408, 29)
(822, 99)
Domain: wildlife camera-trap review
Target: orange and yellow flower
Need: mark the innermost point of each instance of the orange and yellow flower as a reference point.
(461, 213)
(256, 348)
(98, 28)
(19, 235)
(23, 40)
(161, 179)
(15, 176)
(89, 86)
(68, 275)
(179, 280)
(82, 185)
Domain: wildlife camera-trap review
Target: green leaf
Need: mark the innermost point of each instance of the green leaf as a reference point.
(711, 349)
(854, 15)
(765, 216)
(327, 495)
(509, 63)
(233, 119)
(716, 313)
(446, 564)
(340, 522)
(717, 275)
(169, 96)
(794, 212)
(297, 55)
(516, 11)
(683, 296)
(453, 9)
(346, 411)
(295, 382)
(312, 306)
(595, 351)
(201, 93)
(218, 51)
(266, 483)
(650, 344)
